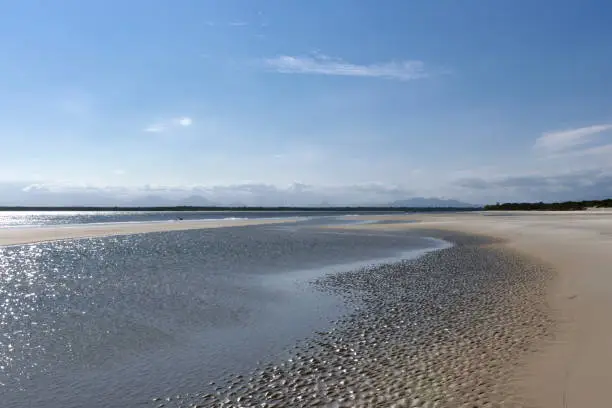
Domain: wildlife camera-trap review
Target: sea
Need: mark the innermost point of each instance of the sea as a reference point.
(49, 218)
(118, 321)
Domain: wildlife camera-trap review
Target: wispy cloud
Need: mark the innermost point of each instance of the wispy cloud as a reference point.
(184, 121)
(156, 128)
(603, 150)
(324, 65)
(584, 184)
(555, 142)
(167, 125)
(246, 193)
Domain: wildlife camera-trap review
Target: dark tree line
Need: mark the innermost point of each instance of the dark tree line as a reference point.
(561, 206)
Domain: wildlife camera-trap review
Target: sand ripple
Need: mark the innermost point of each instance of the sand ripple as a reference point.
(447, 330)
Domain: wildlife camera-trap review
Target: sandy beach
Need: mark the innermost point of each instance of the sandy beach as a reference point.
(27, 235)
(568, 368)
(573, 370)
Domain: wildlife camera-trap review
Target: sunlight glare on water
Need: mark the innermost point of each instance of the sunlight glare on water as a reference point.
(142, 312)
(33, 295)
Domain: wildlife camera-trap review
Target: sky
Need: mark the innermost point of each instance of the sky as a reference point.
(300, 102)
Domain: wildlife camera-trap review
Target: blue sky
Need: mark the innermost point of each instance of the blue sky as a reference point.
(303, 101)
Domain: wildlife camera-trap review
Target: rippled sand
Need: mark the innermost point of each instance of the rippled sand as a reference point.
(441, 331)
(520, 320)
(573, 370)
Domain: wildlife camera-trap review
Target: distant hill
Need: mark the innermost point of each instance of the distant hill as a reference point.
(151, 201)
(422, 202)
(196, 201)
(158, 201)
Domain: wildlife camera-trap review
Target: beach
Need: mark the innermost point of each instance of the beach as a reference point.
(443, 330)
(165, 313)
(513, 314)
(572, 369)
(538, 337)
(25, 235)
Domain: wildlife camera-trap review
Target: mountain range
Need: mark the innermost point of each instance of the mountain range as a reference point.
(419, 202)
(199, 201)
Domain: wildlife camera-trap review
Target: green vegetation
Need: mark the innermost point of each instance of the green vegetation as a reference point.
(213, 208)
(562, 206)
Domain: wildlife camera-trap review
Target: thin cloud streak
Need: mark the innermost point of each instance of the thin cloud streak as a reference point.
(180, 122)
(324, 65)
(154, 128)
(567, 139)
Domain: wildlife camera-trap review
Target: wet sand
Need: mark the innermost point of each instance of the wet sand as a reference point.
(514, 315)
(444, 330)
(573, 368)
(27, 235)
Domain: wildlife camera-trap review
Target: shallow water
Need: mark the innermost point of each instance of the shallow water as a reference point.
(114, 321)
(12, 219)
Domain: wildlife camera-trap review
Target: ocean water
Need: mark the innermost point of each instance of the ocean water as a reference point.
(45, 218)
(116, 321)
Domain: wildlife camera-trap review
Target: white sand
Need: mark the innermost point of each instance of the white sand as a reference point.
(15, 236)
(576, 370)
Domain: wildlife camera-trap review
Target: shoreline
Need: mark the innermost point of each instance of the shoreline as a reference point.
(258, 263)
(424, 335)
(573, 370)
(570, 369)
(31, 235)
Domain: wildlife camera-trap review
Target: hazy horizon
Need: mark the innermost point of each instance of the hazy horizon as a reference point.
(251, 195)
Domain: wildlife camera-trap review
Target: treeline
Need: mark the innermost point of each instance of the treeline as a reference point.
(561, 206)
(254, 209)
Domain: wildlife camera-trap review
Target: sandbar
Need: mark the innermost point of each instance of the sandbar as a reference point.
(28, 235)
